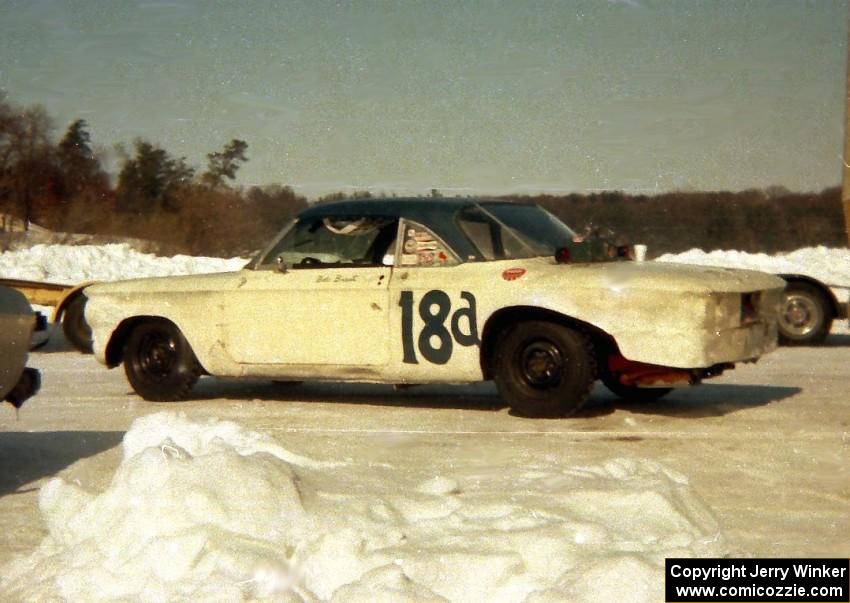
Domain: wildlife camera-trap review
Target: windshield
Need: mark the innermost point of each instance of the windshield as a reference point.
(339, 242)
(509, 231)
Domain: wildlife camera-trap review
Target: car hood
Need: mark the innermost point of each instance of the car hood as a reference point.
(540, 271)
(653, 276)
(161, 284)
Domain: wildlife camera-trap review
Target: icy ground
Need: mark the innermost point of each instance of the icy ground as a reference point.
(261, 491)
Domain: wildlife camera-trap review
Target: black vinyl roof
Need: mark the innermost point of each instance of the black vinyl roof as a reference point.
(395, 207)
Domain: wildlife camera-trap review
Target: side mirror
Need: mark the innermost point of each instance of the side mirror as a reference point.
(388, 260)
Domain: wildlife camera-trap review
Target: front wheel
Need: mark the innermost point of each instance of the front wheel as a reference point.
(159, 363)
(806, 315)
(544, 369)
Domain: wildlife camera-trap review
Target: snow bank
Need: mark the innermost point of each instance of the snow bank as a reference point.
(830, 266)
(207, 510)
(77, 263)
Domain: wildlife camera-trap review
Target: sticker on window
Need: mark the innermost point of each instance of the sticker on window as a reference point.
(422, 248)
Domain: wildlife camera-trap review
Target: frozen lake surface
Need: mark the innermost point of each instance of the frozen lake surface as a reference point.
(321, 491)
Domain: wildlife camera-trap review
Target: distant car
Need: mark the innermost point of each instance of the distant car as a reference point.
(439, 291)
(18, 322)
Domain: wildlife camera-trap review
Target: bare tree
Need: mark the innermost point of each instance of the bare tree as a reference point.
(27, 158)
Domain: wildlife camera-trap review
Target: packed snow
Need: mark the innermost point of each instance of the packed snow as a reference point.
(72, 264)
(78, 263)
(830, 266)
(205, 509)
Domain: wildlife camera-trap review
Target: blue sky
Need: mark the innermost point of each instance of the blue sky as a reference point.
(465, 96)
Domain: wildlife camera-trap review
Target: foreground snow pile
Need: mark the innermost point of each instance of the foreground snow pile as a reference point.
(206, 510)
(830, 266)
(73, 264)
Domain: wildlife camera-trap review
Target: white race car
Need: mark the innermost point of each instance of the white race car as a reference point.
(414, 291)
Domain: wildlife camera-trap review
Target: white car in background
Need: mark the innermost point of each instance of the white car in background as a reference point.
(439, 291)
(817, 291)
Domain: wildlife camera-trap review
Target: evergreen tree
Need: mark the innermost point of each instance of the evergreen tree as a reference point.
(80, 167)
(150, 180)
(226, 163)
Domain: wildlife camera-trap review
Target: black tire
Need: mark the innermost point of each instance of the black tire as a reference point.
(159, 362)
(634, 394)
(77, 331)
(543, 369)
(28, 385)
(806, 315)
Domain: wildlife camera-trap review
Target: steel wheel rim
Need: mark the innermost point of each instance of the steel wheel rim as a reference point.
(541, 364)
(800, 315)
(157, 355)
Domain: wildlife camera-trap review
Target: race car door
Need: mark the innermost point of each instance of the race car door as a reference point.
(434, 311)
(319, 297)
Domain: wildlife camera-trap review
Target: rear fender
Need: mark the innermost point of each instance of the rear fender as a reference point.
(67, 296)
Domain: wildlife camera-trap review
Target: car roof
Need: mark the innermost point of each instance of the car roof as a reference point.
(437, 213)
(394, 207)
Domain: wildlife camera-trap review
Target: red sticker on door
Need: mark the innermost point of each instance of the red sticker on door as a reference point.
(512, 274)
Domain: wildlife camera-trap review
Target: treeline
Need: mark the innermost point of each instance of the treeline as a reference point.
(753, 220)
(60, 183)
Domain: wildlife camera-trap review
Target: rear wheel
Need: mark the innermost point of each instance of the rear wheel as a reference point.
(806, 315)
(159, 363)
(544, 369)
(77, 331)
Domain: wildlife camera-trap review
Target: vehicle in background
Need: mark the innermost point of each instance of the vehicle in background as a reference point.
(18, 323)
(68, 302)
(413, 291)
(812, 300)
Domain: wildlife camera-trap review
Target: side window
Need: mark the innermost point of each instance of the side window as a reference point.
(483, 234)
(335, 242)
(421, 247)
(492, 241)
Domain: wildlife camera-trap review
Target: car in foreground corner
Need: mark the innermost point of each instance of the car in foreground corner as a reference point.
(68, 305)
(415, 291)
(18, 322)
